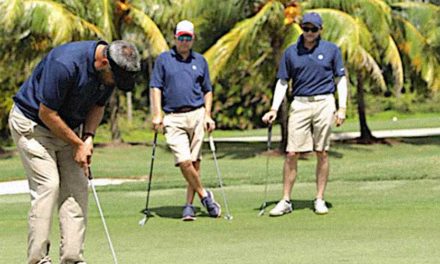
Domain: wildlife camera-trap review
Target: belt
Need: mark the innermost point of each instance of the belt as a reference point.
(313, 98)
(185, 109)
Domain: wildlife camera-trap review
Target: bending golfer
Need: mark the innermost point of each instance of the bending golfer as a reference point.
(180, 86)
(69, 87)
(314, 66)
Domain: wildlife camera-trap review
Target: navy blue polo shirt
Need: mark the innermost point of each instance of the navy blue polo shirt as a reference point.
(183, 83)
(65, 81)
(312, 71)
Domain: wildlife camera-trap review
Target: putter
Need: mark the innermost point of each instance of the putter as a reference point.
(102, 216)
(146, 211)
(219, 177)
(269, 141)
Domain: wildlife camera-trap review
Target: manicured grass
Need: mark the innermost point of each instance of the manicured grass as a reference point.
(140, 130)
(369, 222)
(245, 163)
(391, 120)
(383, 197)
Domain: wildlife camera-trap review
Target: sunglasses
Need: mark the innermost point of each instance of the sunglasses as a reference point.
(310, 29)
(184, 38)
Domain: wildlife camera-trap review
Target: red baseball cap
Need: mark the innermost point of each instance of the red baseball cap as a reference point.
(185, 27)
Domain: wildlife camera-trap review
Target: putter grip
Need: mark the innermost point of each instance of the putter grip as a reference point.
(90, 174)
(211, 143)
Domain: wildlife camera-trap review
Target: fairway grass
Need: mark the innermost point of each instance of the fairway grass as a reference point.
(369, 222)
(245, 163)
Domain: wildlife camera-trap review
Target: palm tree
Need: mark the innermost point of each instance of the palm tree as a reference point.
(350, 25)
(400, 34)
(240, 42)
(38, 25)
(353, 43)
(416, 27)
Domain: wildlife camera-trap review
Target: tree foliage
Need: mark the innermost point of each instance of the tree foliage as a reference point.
(395, 45)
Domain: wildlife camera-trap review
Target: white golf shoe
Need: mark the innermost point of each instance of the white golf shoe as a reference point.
(320, 207)
(282, 207)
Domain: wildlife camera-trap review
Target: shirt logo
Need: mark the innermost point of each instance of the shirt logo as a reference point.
(194, 67)
(320, 57)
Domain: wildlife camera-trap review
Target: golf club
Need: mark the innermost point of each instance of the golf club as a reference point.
(146, 211)
(269, 142)
(102, 216)
(219, 177)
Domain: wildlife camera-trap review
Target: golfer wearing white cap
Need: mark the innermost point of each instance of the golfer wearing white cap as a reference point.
(181, 87)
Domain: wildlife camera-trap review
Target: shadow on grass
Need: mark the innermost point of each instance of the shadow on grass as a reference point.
(422, 141)
(246, 150)
(174, 212)
(297, 205)
(7, 154)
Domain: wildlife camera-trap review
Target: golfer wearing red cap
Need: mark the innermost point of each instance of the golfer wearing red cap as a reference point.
(180, 86)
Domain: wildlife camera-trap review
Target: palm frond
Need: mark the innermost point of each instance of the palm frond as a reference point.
(423, 58)
(345, 31)
(104, 10)
(367, 63)
(392, 57)
(376, 14)
(293, 33)
(154, 36)
(53, 20)
(425, 17)
(241, 36)
(12, 12)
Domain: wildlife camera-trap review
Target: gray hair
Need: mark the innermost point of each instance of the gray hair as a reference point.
(125, 55)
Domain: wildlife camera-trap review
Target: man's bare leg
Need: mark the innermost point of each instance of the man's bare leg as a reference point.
(190, 192)
(322, 172)
(192, 177)
(289, 173)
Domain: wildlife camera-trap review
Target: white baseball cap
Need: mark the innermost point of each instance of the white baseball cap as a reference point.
(184, 28)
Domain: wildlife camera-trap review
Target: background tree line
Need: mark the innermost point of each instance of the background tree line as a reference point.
(391, 48)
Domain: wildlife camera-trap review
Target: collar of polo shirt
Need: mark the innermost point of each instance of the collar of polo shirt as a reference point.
(174, 53)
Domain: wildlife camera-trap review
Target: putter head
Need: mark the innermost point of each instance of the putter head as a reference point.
(143, 221)
(229, 217)
(261, 213)
(147, 214)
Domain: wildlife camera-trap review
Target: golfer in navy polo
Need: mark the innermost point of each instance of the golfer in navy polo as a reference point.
(315, 68)
(67, 89)
(180, 86)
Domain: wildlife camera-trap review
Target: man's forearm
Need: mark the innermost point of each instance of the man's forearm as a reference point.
(156, 101)
(208, 103)
(93, 119)
(57, 126)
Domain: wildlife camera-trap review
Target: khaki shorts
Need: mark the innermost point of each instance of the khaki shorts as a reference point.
(310, 122)
(184, 133)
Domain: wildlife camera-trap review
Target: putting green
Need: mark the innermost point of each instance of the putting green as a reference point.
(369, 222)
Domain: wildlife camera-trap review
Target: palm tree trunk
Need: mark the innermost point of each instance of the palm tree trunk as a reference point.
(366, 135)
(114, 127)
